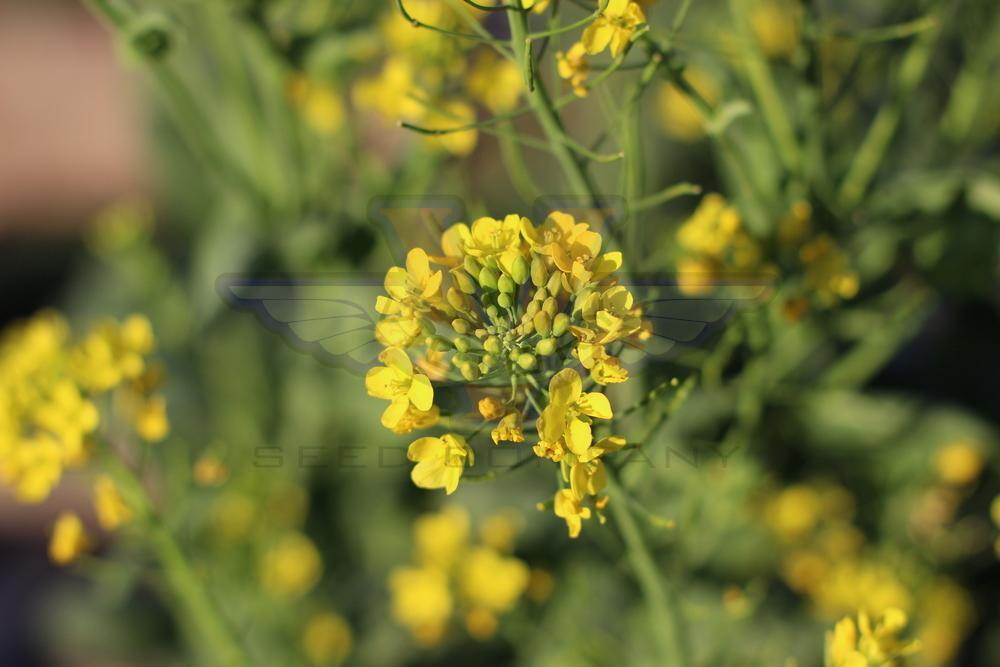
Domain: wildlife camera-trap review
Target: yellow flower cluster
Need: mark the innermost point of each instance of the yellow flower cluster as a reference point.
(326, 640)
(869, 645)
(422, 70)
(290, 567)
(504, 303)
(454, 577)
(713, 243)
(824, 557)
(614, 28)
(48, 385)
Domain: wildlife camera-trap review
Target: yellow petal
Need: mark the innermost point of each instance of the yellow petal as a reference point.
(597, 36)
(396, 359)
(379, 382)
(395, 413)
(425, 448)
(565, 387)
(421, 392)
(578, 437)
(595, 405)
(417, 264)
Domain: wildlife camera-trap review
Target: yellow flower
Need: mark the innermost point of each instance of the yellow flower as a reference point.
(865, 645)
(415, 285)
(320, 105)
(291, 567)
(326, 639)
(69, 539)
(209, 470)
(537, 6)
(604, 368)
(569, 507)
(794, 512)
(776, 27)
(452, 114)
(491, 408)
(615, 27)
(566, 415)
(573, 66)
(109, 505)
(678, 114)
(421, 601)
(416, 420)
(389, 93)
(112, 353)
(828, 270)
(441, 537)
(611, 313)
(495, 82)
(492, 581)
(958, 463)
(587, 479)
(151, 421)
(440, 461)
(490, 238)
(509, 429)
(33, 467)
(399, 383)
(499, 530)
(67, 416)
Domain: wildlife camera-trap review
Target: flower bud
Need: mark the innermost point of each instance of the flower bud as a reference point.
(479, 333)
(550, 306)
(488, 278)
(538, 273)
(506, 284)
(493, 312)
(532, 308)
(519, 270)
(489, 361)
(461, 326)
(542, 322)
(541, 294)
(546, 346)
(555, 282)
(462, 344)
(560, 324)
(455, 299)
(469, 371)
(492, 345)
(464, 282)
(527, 361)
(438, 343)
(505, 300)
(471, 265)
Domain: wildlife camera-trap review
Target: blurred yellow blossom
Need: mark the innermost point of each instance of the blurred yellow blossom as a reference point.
(574, 67)
(290, 567)
(440, 538)
(111, 509)
(421, 601)
(776, 27)
(69, 539)
(326, 639)
(958, 462)
(319, 103)
(209, 470)
(678, 114)
(495, 82)
(828, 270)
(867, 645)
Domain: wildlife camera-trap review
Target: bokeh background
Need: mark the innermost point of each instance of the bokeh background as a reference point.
(116, 198)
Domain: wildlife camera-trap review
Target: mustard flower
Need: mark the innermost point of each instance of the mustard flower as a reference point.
(422, 601)
(112, 511)
(290, 567)
(69, 539)
(440, 461)
(868, 645)
(401, 384)
(326, 639)
(615, 27)
(573, 66)
(570, 410)
(570, 507)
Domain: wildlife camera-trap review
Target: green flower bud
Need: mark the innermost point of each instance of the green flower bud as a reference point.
(506, 284)
(527, 361)
(560, 324)
(479, 333)
(555, 282)
(541, 294)
(438, 343)
(532, 308)
(542, 322)
(427, 327)
(455, 299)
(488, 278)
(505, 300)
(469, 371)
(462, 344)
(538, 273)
(520, 270)
(492, 345)
(464, 282)
(550, 306)
(546, 346)
(461, 326)
(489, 360)
(472, 265)
(493, 312)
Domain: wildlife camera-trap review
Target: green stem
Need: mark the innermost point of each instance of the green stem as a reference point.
(577, 178)
(198, 613)
(669, 628)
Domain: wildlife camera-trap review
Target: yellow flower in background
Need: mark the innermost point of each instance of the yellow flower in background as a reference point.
(492, 584)
(112, 511)
(713, 244)
(495, 82)
(326, 639)
(290, 567)
(490, 238)
(151, 422)
(508, 430)
(499, 530)
(209, 470)
(421, 601)
(33, 467)
(399, 383)
(867, 645)
(112, 353)
(574, 67)
(451, 115)
(319, 103)
(491, 408)
(958, 463)
(794, 512)
(67, 416)
(440, 461)
(69, 539)
(828, 270)
(440, 538)
(614, 27)
(776, 27)
(568, 414)
(390, 93)
(678, 114)
(570, 507)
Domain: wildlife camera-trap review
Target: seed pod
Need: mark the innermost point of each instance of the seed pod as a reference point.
(546, 346)
(492, 345)
(488, 278)
(527, 361)
(542, 322)
(472, 265)
(461, 326)
(550, 306)
(560, 324)
(506, 284)
(505, 300)
(538, 273)
(520, 270)
(464, 282)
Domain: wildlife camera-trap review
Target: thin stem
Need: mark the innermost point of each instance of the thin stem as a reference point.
(669, 631)
(665, 195)
(570, 27)
(451, 33)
